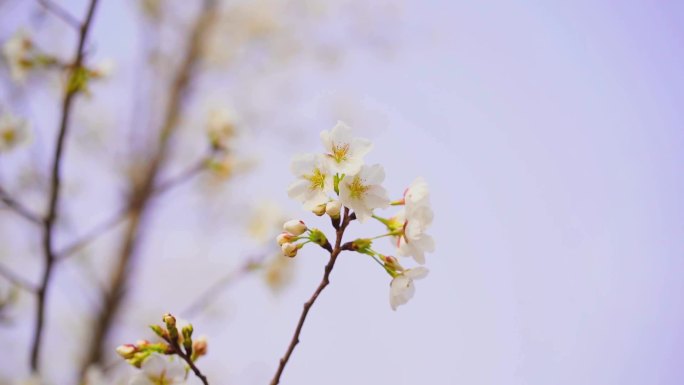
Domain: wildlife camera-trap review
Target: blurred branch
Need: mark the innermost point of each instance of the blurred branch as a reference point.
(122, 214)
(112, 299)
(55, 181)
(19, 208)
(217, 287)
(61, 13)
(17, 280)
(334, 253)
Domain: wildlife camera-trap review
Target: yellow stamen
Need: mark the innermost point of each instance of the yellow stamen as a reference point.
(340, 152)
(316, 179)
(357, 189)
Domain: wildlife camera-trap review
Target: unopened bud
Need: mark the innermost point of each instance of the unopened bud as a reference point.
(158, 330)
(318, 237)
(295, 227)
(169, 320)
(290, 249)
(391, 263)
(285, 238)
(319, 210)
(362, 245)
(126, 351)
(199, 346)
(333, 208)
(187, 336)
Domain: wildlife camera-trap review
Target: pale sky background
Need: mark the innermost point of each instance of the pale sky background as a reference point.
(552, 136)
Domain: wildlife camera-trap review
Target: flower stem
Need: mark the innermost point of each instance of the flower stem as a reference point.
(307, 305)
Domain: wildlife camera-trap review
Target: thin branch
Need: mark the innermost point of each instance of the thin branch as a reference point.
(61, 13)
(55, 181)
(113, 297)
(209, 294)
(188, 359)
(307, 305)
(122, 214)
(181, 178)
(18, 208)
(17, 280)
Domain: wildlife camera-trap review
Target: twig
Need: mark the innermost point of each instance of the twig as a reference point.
(111, 302)
(19, 208)
(234, 276)
(61, 13)
(17, 280)
(48, 234)
(122, 214)
(186, 357)
(307, 305)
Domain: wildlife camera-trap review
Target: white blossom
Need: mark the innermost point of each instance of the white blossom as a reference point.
(417, 194)
(416, 218)
(402, 288)
(16, 51)
(413, 240)
(13, 130)
(344, 152)
(221, 126)
(313, 181)
(158, 369)
(362, 192)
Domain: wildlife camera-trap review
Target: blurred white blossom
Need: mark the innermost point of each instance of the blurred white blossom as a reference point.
(16, 51)
(158, 369)
(13, 131)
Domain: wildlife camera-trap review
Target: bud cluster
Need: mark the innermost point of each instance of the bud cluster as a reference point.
(177, 339)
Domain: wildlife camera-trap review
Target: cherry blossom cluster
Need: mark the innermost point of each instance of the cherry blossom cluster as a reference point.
(338, 179)
(167, 361)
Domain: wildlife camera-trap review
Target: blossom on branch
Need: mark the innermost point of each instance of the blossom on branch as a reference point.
(344, 152)
(402, 288)
(363, 192)
(313, 183)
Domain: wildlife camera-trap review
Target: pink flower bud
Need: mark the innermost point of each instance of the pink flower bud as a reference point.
(289, 249)
(295, 227)
(284, 238)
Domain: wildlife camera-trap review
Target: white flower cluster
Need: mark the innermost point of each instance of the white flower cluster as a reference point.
(339, 178)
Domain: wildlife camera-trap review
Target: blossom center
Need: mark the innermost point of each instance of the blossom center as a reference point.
(316, 180)
(340, 152)
(357, 189)
(9, 136)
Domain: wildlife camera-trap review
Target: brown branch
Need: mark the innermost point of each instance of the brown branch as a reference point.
(113, 298)
(17, 280)
(186, 356)
(122, 214)
(18, 208)
(55, 181)
(307, 305)
(234, 276)
(61, 13)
